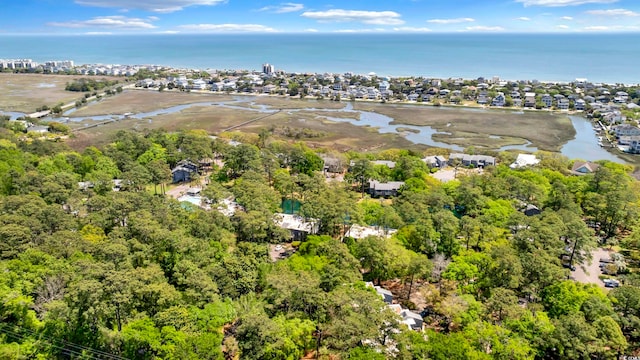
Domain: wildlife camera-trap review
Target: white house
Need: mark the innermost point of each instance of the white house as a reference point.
(524, 160)
(626, 130)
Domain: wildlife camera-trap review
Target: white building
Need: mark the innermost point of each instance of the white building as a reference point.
(524, 160)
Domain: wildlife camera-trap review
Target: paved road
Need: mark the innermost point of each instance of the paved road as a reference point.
(592, 270)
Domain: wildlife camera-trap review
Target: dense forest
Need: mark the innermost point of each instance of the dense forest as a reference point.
(93, 273)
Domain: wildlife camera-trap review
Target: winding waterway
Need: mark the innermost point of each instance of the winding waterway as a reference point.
(583, 146)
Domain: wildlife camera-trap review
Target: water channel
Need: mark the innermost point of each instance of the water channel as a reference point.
(583, 146)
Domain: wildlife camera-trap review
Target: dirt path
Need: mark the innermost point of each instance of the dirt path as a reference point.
(178, 191)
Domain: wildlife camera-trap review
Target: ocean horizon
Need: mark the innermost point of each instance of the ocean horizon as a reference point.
(605, 58)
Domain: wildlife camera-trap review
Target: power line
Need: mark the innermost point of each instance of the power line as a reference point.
(75, 349)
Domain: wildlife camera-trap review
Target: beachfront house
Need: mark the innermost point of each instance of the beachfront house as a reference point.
(547, 100)
(387, 189)
(580, 105)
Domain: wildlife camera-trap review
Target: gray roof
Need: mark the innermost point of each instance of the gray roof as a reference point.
(388, 186)
(389, 164)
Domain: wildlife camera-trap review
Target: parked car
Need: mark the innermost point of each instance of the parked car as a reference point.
(611, 283)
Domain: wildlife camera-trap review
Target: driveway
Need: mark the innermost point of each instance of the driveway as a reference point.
(590, 276)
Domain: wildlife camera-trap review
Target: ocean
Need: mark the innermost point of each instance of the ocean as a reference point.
(607, 58)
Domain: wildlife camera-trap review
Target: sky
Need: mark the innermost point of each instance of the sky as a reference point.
(89, 17)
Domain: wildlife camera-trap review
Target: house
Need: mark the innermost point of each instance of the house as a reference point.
(524, 160)
(626, 130)
(563, 104)
(377, 189)
(297, 225)
(471, 160)
(384, 86)
(530, 100)
(360, 232)
(435, 161)
(183, 171)
(218, 86)
(37, 129)
(547, 100)
(199, 84)
(634, 144)
(413, 320)
(389, 164)
(268, 89)
(580, 105)
(499, 100)
(628, 140)
(584, 167)
(386, 295)
(483, 99)
(332, 165)
(531, 210)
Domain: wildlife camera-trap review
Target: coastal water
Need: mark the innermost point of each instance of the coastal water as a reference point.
(583, 146)
(609, 58)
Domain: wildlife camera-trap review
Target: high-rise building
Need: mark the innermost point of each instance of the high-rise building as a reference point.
(268, 68)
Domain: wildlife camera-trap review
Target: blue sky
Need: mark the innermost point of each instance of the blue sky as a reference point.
(316, 16)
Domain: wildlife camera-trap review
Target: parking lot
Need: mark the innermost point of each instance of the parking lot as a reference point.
(590, 276)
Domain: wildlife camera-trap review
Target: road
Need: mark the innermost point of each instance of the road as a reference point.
(592, 270)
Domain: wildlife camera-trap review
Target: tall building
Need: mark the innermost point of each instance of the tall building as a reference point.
(268, 69)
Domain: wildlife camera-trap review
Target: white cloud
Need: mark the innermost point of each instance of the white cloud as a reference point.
(311, 30)
(162, 6)
(450, 21)
(484, 28)
(411, 29)
(227, 28)
(115, 22)
(613, 12)
(365, 17)
(98, 33)
(564, 27)
(284, 8)
(523, 18)
(560, 3)
(355, 31)
(598, 28)
(568, 18)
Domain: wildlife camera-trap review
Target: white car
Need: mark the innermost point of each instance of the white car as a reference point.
(278, 247)
(611, 283)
